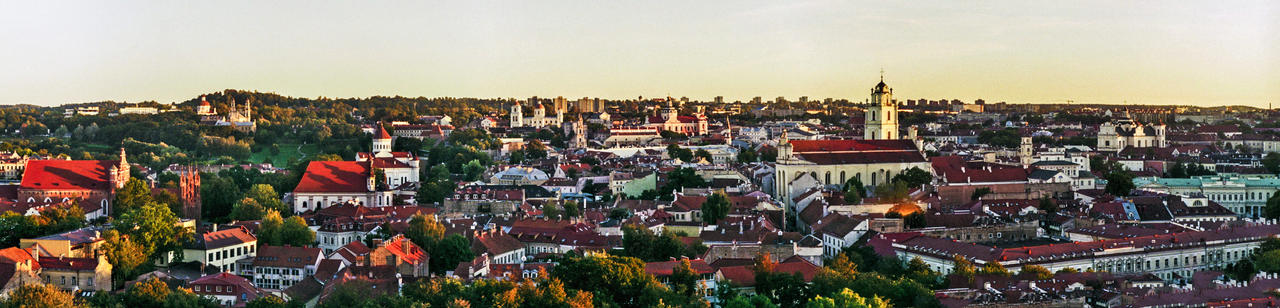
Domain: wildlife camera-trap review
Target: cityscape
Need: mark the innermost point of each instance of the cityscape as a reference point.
(356, 155)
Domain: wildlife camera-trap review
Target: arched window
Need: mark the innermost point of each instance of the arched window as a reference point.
(828, 178)
(873, 179)
(842, 178)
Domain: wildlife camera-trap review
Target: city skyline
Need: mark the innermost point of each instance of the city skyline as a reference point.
(1201, 54)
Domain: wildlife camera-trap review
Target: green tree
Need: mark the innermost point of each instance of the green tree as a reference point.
(39, 295)
(1048, 205)
(295, 232)
(271, 301)
(854, 191)
(126, 256)
(247, 209)
(1119, 183)
(450, 251)
(994, 268)
(677, 152)
(846, 299)
(1272, 162)
(1272, 209)
(1268, 261)
(962, 268)
(271, 229)
(684, 280)
(473, 170)
(1178, 170)
(134, 194)
(614, 280)
(914, 177)
(219, 195)
(572, 209)
(679, 179)
(147, 293)
(755, 301)
(1035, 272)
(551, 209)
(154, 227)
(786, 289)
(715, 208)
(747, 156)
(978, 193)
(702, 153)
(266, 196)
(424, 230)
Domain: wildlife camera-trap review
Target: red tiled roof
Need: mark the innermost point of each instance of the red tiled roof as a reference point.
(18, 255)
(856, 151)
(388, 163)
(955, 170)
(334, 176)
(406, 250)
(69, 264)
(666, 268)
(382, 133)
(233, 285)
(495, 244)
(286, 256)
(228, 237)
(745, 276)
(68, 174)
(801, 146)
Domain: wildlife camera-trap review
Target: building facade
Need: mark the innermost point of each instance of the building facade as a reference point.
(1123, 132)
(1244, 194)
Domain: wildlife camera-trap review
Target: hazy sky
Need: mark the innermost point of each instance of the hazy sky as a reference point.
(1160, 52)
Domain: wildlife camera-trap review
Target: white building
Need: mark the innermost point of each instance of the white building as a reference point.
(278, 267)
(328, 182)
(398, 167)
(1171, 257)
(1125, 132)
(539, 119)
(221, 249)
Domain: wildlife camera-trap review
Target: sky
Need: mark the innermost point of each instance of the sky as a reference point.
(1205, 53)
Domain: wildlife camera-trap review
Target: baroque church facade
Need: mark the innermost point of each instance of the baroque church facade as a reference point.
(539, 119)
(1124, 131)
(874, 160)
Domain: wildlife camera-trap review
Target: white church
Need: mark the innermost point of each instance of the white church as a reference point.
(874, 160)
(539, 119)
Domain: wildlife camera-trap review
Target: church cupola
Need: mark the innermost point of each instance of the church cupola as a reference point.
(381, 141)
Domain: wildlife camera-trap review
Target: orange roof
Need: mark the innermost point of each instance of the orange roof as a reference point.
(68, 174)
(406, 250)
(18, 255)
(334, 176)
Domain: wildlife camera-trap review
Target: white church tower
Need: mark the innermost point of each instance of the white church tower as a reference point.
(517, 118)
(882, 114)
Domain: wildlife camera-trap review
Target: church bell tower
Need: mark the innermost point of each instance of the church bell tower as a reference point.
(881, 120)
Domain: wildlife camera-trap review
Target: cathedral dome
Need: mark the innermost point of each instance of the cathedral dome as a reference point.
(881, 88)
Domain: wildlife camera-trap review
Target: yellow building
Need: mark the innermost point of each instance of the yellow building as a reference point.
(82, 274)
